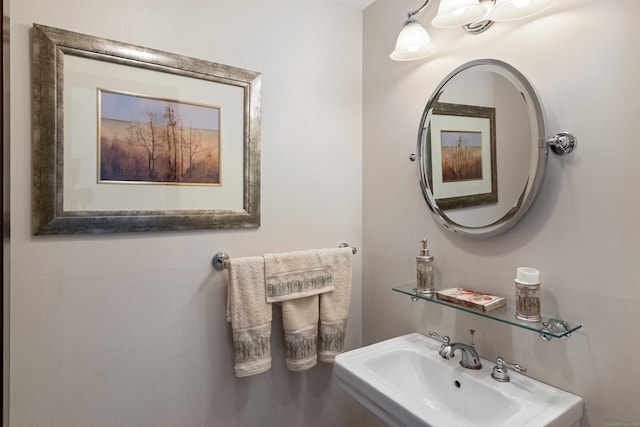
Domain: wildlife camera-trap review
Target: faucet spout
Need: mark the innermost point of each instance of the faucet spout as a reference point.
(470, 357)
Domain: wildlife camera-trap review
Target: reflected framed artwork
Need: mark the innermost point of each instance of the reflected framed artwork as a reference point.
(463, 155)
(130, 139)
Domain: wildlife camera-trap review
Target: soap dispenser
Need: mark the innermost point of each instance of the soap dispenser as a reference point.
(424, 263)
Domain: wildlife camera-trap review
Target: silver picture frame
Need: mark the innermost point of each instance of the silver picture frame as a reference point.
(51, 46)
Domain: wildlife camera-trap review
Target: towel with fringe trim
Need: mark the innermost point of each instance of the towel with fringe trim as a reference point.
(334, 308)
(250, 316)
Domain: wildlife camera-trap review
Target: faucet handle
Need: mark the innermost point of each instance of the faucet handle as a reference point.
(445, 340)
(501, 370)
(472, 332)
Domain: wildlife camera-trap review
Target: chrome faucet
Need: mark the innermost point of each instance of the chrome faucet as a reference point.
(470, 357)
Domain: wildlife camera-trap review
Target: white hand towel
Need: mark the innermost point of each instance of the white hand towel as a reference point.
(334, 307)
(300, 323)
(250, 316)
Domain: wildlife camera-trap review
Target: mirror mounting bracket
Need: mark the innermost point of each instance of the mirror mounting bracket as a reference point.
(562, 143)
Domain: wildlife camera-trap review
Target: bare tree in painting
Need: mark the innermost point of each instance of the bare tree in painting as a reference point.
(172, 144)
(144, 136)
(178, 146)
(189, 148)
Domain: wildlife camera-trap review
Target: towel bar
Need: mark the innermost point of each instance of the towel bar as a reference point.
(220, 259)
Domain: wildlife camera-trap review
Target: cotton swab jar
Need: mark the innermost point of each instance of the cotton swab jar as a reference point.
(528, 294)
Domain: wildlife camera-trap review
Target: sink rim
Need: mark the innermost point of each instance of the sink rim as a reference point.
(398, 408)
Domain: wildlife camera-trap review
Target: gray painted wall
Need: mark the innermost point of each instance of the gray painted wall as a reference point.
(583, 231)
(130, 329)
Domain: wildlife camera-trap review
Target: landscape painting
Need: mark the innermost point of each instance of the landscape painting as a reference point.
(462, 152)
(461, 155)
(151, 140)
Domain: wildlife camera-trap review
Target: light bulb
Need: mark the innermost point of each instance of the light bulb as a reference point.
(512, 10)
(456, 13)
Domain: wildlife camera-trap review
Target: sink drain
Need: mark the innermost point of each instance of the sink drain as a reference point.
(457, 384)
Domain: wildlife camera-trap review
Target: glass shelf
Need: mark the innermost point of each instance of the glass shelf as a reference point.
(548, 327)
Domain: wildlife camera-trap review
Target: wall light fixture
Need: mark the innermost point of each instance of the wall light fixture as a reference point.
(475, 16)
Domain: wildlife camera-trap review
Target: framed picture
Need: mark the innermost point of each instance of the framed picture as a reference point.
(131, 139)
(463, 155)
(149, 140)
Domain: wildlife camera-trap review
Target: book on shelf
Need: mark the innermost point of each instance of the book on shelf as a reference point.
(471, 299)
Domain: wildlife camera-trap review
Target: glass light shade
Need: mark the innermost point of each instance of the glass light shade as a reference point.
(455, 13)
(413, 43)
(511, 10)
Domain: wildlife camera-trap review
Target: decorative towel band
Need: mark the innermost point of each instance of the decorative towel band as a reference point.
(252, 350)
(298, 284)
(331, 339)
(301, 348)
(301, 274)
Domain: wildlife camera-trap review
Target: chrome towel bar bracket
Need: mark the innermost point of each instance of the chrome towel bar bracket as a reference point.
(220, 260)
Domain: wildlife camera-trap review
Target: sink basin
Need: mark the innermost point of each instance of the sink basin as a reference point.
(405, 382)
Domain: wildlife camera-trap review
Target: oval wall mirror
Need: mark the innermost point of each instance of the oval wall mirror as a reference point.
(482, 148)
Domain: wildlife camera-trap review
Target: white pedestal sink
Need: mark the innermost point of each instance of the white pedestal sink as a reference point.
(406, 383)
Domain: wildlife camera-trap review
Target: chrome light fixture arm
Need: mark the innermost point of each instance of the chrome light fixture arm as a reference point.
(472, 28)
(418, 11)
(483, 24)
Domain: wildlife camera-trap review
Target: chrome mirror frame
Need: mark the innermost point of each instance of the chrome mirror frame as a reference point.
(561, 144)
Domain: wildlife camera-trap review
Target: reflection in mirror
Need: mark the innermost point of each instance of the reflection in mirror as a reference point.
(480, 156)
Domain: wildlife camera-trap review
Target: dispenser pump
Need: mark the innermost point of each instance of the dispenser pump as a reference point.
(424, 252)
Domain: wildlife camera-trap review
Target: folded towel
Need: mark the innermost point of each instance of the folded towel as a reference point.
(250, 316)
(334, 307)
(299, 274)
(298, 280)
(300, 322)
